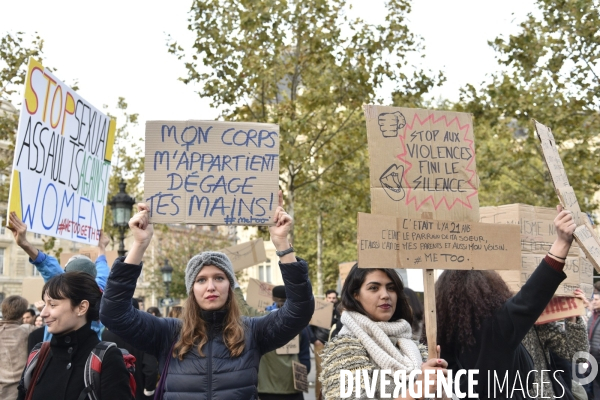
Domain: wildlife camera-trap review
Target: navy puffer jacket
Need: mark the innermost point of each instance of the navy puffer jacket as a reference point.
(217, 375)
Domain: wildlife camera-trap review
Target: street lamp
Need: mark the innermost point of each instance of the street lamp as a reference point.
(167, 272)
(120, 205)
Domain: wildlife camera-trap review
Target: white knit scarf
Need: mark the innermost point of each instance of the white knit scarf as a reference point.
(379, 339)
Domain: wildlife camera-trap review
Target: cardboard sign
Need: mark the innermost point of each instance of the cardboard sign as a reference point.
(32, 288)
(259, 294)
(323, 314)
(388, 242)
(62, 161)
(292, 347)
(92, 253)
(247, 254)
(211, 173)
(584, 234)
(345, 270)
(560, 308)
(538, 232)
(422, 163)
(300, 376)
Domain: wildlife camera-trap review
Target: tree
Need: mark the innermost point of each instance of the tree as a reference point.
(552, 78)
(15, 50)
(309, 68)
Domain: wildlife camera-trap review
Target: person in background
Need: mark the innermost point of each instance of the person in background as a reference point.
(29, 317)
(154, 311)
(48, 266)
(13, 345)
(594, 338)
(320, 336)
(146, 365)
(39, 321)
(176, 312)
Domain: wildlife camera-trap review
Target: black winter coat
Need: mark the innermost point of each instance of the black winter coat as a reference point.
(216, 375)
(62, 373)
(498, 345)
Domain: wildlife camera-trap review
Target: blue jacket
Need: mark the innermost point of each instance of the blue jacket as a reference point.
(216, 375)
(49, 267)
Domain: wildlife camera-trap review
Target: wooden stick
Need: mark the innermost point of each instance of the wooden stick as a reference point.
(430, 312)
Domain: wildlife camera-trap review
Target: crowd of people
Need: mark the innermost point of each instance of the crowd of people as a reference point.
(88, 337)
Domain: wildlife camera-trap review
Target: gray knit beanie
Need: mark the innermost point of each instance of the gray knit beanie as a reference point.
(81, 263)
(198, 262)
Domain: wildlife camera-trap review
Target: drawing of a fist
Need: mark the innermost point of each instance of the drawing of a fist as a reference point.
(391, 123)
(391, 181)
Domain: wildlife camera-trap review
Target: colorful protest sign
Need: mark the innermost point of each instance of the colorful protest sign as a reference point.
(259, 294)
(422, 163)
(584, 234)
(61, 167)
(211, 173)
(247, 254)
(561, 307)
(388, 242)
(537, 233)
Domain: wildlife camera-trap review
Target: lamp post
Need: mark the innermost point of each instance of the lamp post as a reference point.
(120, 205)
(167, 272)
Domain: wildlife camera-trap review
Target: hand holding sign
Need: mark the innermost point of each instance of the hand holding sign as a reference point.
(280, 231)
(19, 230)
(142, 231)
(565, 226)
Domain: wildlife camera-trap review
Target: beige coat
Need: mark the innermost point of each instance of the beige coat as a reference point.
(13, 356)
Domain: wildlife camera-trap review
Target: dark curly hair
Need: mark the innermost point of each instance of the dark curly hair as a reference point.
(463, 300)
(356, 277)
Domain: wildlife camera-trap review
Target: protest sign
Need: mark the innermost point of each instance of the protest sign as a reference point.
(62, 161)
(537, 233)
(388, 242)
(561, 307)
(322, 314)
(422, 163)
(247, 254)
(259, 294)
(584, 234)
(345, 270)
(300, 376)
(211, 172)
(291, 347)
(31, 288)
(92, 253)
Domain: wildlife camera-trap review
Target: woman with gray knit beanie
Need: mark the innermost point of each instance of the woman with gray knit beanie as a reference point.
(377, 335)
(211, 351)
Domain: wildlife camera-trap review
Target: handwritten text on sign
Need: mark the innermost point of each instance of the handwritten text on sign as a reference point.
(388, 242)
(422, 161)
(62, 160)
(210, 172)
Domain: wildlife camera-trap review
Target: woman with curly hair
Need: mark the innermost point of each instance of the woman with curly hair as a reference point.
(212, 352)
(480, 326)
(376, 334)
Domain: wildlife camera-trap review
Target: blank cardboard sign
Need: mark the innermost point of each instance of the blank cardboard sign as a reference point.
(259, 294)
(211, 172)
(422, 163)
(247, 254)
(323, 313)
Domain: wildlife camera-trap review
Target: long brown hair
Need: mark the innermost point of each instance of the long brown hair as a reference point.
(463, 300)
(195, 328)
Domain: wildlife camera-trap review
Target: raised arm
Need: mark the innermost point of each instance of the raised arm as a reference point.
(102, 269)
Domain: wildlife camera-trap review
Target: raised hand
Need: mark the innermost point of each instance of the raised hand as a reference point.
(283, 224)
(565, 226)
(19, 231)
(104, 241)
(142, 231)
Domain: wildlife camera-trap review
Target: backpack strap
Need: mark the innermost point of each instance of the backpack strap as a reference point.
(33, 368)
(92, 370)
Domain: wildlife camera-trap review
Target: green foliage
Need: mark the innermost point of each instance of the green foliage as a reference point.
(553, 80)
(309, 68)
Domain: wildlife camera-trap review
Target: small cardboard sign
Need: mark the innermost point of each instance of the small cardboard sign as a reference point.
(345, 270)
(561, 307)
(92, 253)
(259, 294)
(32, 288)
(323, 314)
(292, 347)
(211, 172)
(62, 161)
(422, 163)
(584, 234)
(300, 376)
(388, 242)
(247, 254)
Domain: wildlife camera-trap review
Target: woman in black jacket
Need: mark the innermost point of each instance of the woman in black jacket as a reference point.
(480, 326)
(212, 352)
(72, 303)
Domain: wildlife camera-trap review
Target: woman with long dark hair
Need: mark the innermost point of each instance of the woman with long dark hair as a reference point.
(72, 301)
(376, 333)
(481, 326)
(212, 351)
